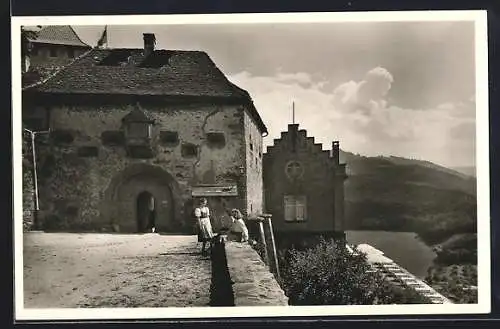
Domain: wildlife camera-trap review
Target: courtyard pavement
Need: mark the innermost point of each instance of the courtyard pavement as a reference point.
(64, 270)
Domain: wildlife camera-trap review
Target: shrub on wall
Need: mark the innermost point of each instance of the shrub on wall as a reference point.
(327, 274)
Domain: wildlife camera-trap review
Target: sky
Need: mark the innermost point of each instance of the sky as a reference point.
(380, 88)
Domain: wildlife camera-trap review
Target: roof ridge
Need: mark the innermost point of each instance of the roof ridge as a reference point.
(41, 82)
(77, 36)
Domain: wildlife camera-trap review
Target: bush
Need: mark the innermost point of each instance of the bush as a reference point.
(328, 274)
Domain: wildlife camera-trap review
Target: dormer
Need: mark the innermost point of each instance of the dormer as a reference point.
(138, 130)
(137, 125)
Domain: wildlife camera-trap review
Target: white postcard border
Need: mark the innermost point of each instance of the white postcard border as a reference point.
(482, 159)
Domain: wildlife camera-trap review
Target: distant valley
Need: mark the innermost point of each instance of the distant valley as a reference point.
(398, 194)
(387, 195)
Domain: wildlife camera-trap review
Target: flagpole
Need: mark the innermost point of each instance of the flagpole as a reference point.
(103, 39)
(293, 112)
(106, 38)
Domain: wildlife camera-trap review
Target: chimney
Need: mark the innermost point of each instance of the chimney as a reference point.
(149, 43)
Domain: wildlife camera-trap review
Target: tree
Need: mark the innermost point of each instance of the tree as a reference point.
(328, 274)
(26, 35)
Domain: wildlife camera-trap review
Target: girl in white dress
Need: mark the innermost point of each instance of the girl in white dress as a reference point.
(202, 214)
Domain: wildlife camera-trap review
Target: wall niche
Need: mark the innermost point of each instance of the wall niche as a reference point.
(62, 136)
(169, 138)
(216, 139)
(88, 151)
(113, 138)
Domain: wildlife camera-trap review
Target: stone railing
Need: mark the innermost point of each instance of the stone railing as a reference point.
(243, 277)
(252, 282)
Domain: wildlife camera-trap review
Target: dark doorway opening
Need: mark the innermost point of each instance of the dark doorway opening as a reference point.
(146, 212)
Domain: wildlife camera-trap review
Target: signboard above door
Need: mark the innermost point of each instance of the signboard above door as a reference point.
(214, 190)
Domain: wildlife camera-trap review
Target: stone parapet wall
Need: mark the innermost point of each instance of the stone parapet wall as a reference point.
(253, 283)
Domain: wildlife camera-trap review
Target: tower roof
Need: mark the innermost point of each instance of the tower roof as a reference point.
(58, 35)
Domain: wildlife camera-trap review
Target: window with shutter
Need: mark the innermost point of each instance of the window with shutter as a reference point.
(295, 208)
(300, 206)
(289, 208)
(139, 130)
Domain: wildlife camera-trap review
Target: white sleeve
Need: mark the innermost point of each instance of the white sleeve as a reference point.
(197, 212)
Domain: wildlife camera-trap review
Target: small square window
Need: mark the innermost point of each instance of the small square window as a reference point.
(170, 138)
(88, 151)
(62, 136)
(53, 52)
(112, 137)
(189, 150)
(216, 139)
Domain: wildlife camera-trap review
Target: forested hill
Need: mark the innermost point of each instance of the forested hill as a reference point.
(398, 194)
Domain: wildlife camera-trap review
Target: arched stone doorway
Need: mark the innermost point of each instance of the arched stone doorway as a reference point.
(125, 203)
(146, 212)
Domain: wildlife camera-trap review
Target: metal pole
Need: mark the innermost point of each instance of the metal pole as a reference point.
(263, 242)
(35, 175)
(35, 178)
(271, 246)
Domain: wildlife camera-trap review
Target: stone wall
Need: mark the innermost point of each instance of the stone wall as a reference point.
(74, 184)
(28, 186)
(316, 182)
(253, 155)
(40, 55)
(253, 283)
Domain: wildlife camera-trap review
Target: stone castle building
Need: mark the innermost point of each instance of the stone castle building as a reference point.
(137, 128)
(304, 187)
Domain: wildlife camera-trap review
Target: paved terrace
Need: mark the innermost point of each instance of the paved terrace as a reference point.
(65, 270)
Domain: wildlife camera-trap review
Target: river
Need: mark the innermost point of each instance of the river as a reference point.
(404, 248)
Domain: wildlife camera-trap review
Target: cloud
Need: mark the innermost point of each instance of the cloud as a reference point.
(367, 95)
(358, 115)
(465, 130)
(294, 78)
(463, 109)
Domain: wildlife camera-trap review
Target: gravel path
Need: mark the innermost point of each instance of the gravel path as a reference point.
(110, 270)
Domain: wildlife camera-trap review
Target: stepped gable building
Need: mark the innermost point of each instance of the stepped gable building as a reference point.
(137, 128)
(304, 187)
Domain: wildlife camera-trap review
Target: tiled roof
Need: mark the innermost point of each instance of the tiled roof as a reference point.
(187, 73)
(128, 72)
(59, 34)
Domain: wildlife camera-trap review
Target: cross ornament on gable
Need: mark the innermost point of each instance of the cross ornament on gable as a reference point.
(294, 170)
